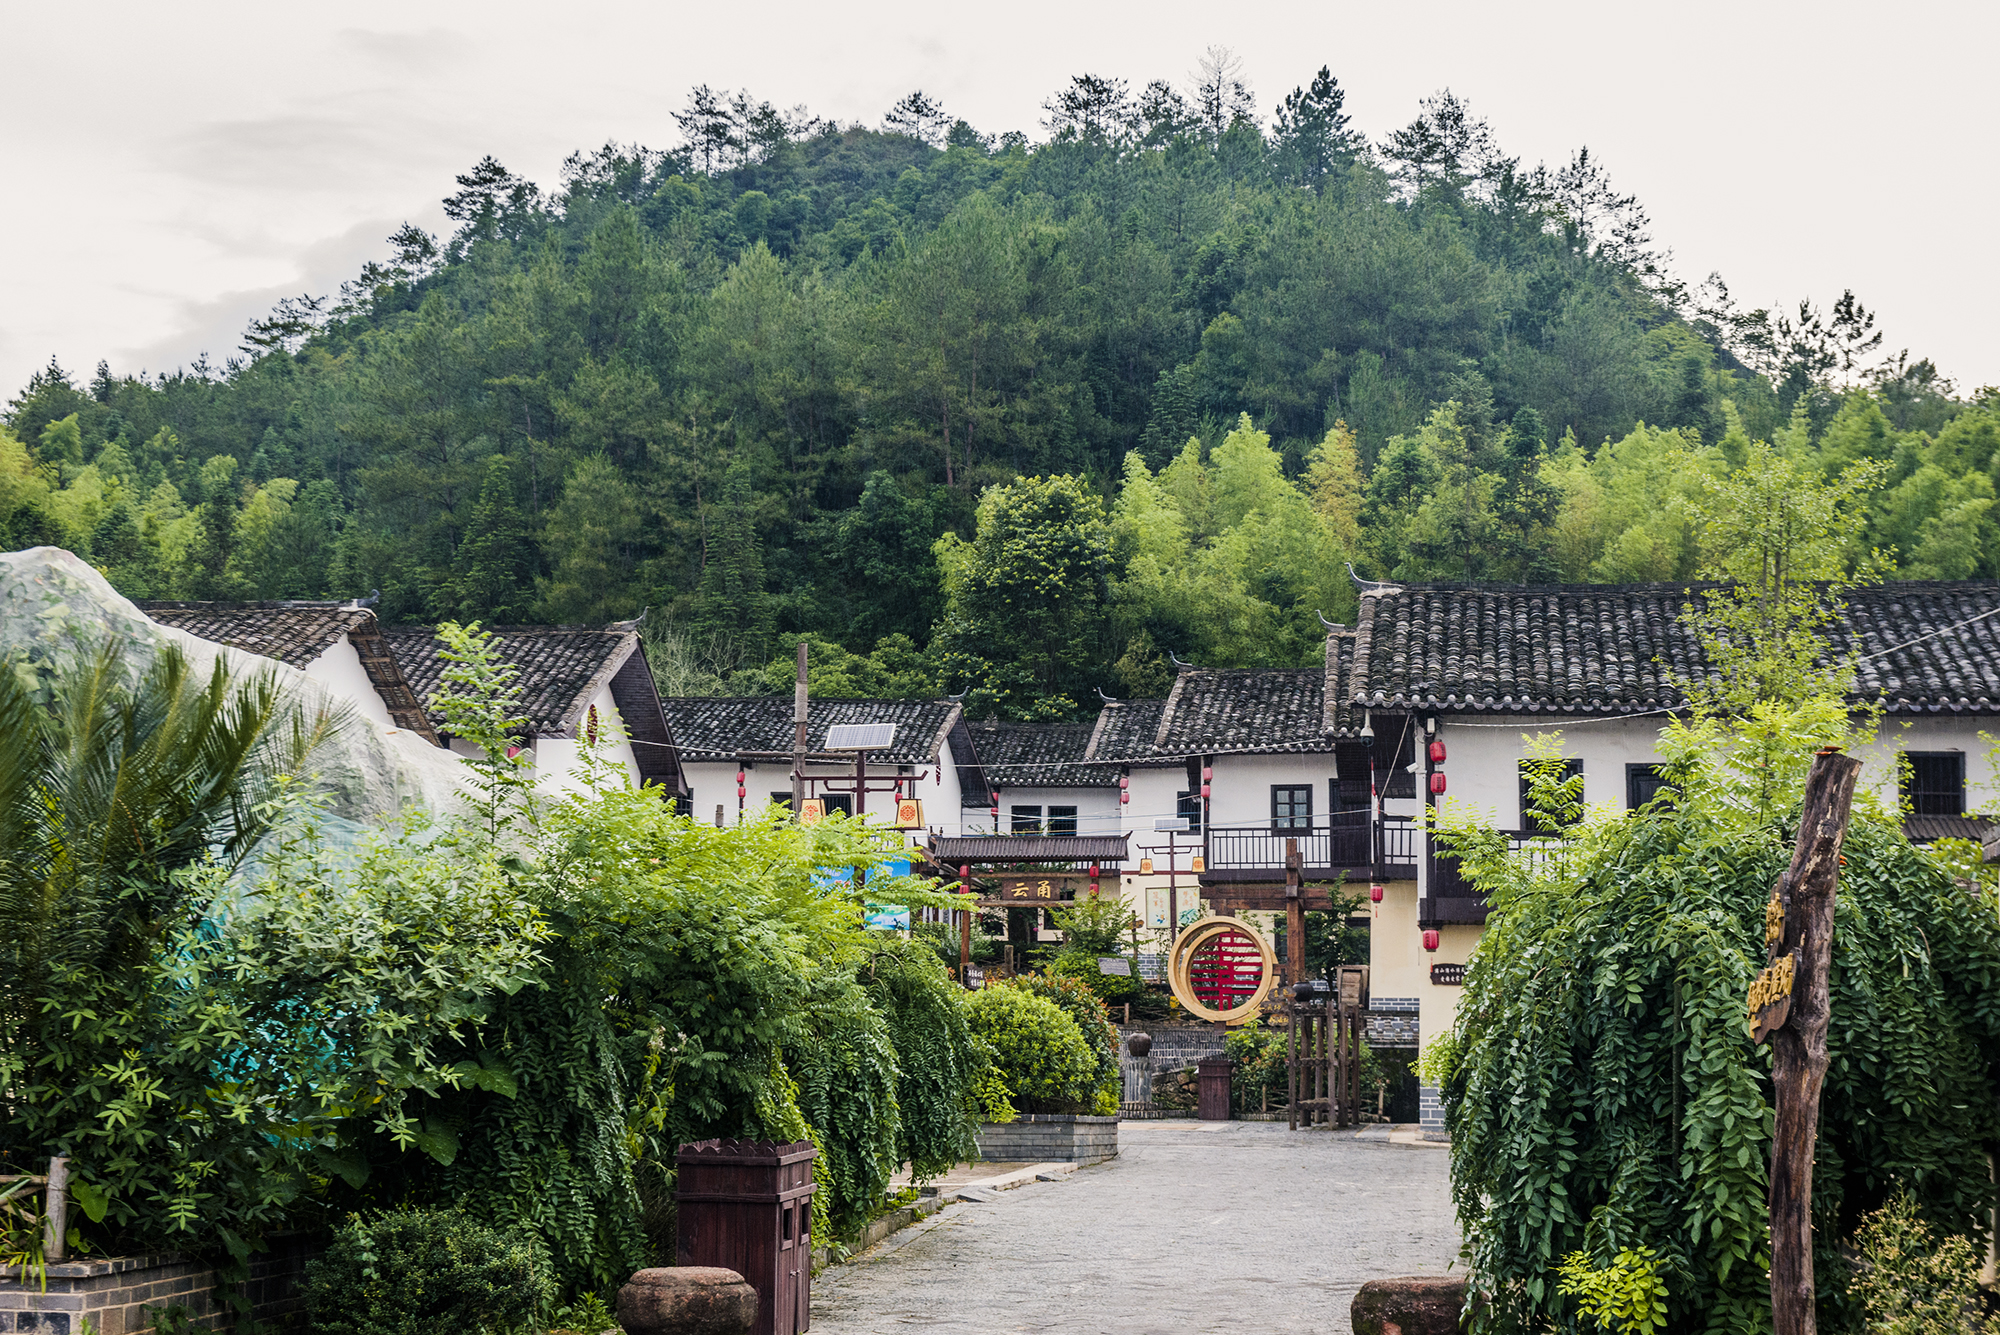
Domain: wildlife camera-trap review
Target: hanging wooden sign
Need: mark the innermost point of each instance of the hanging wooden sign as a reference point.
(1771, 999)
(909, 813)
(812, 811)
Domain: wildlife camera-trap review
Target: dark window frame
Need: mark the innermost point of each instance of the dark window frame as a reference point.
(1927, 790)
(1643, 775)
(1058, 818)
(841, 802)
(1572, 766)
(1287, 818)
(1018, 814)
(1187, 805)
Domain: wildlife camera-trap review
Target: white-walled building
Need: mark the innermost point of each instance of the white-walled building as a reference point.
(930, 757)
(338, 645)
(576, 684)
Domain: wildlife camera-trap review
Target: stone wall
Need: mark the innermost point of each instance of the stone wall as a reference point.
(116, 1292)
(1049, 1138)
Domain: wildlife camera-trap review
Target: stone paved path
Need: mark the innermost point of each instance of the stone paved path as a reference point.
(1240, 1227)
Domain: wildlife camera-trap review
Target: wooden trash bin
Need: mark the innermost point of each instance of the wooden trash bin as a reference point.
(746, 1205)
(1212, 1075)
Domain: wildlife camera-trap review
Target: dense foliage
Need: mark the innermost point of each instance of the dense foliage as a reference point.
(1040, 1053)
(233, 1024)
(415, 1272)
(1093, 1021)
(1606, 1097)
(765, 383)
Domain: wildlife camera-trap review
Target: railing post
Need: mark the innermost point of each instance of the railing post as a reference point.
(55, 1210)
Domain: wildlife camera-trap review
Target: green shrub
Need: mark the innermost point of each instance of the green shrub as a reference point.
(419, 1272)
(1093, 1021)
(1913, 1282)
(937, 1062)
(1041, 1053)
(1096, 928)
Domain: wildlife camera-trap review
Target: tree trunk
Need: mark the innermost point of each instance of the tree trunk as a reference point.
(1799, 1046)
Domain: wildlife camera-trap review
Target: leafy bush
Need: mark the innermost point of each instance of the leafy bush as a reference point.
(419, 1272)
(1094, 928)
(1626, 1297)
(846, 1070)
(1259, 1071)
(1093, 1021)
(1913, 1282)
(938, 1061)
(1040, 1052)
(1604, 1095)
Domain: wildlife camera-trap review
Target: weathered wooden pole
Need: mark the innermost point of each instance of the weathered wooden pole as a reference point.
(1799, 932)
(799, 736)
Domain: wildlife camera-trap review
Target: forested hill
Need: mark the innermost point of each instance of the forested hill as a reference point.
(758, 382)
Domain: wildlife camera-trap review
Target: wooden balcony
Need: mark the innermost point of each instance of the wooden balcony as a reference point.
(1329, 848)
(1449, 898)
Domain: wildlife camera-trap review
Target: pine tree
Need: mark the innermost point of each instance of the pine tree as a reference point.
(496, 560)
(731, 604)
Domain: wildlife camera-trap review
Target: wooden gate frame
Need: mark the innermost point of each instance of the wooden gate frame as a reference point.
(1323, 1052)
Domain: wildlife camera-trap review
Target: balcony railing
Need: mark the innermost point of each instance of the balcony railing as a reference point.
(1346, 842)
(1449, 897)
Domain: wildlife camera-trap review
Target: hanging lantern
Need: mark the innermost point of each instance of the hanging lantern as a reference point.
(1124, 798)
(1437, 783)
(1437, 752)
(1431, 940)
(1375, 892)
(965, 873)
(1093, 871)
(1204, 792)
(1124, 789)
(1207, 773)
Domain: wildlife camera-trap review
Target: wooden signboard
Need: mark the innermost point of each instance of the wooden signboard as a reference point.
(1114, 965)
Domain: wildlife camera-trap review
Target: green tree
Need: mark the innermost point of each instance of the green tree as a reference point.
(592, 543)
(496, 561)
(1024, 600)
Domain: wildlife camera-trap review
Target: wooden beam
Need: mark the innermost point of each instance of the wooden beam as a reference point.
(1806, 893)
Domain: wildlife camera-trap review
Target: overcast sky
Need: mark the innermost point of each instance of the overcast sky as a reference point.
(173, 170)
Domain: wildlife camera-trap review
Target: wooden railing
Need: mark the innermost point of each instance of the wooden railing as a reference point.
(1326, 844)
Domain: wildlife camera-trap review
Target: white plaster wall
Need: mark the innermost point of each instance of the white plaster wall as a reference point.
(1483, 763)
(556, 757)
(1096, 808)
(714, 784)
(1880, 772)
(1153, 794)
(339, 670)
(1240, 793)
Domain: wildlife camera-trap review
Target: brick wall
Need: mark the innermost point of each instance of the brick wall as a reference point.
(116, 1292)
(1049, 1138)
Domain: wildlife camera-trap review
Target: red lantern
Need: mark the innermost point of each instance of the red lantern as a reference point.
(1375, 892)
(1431, 940)
(1093, 871)
(965, 873)
(1437, 783)
(1437, 752)
(1207, 773)
(1204, 792)
(1124, 798)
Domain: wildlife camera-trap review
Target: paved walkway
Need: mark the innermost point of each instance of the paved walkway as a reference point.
(1241, 1227)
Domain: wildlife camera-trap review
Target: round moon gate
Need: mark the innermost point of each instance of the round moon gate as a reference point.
(1221, 969)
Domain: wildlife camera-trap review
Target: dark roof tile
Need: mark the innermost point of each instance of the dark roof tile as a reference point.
(293, 633)
(1039, 755)
(726, 727)
(1215, 710)
(560, 667)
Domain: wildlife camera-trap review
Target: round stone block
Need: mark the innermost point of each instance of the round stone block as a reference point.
(687, 1300)
(1418, 1305)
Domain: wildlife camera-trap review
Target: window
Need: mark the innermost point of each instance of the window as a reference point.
(841, 802)
(1641, 782)
(1291, 806)
(1062, 820)
(1570, 770)
(1188, 807)
(783, 799)
(1027, 820)
(1934, 782)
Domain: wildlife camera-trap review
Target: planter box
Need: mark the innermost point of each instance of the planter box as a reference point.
(1049, 1138)
(115, 1291)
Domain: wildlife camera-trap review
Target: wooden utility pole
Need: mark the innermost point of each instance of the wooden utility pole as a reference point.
(1789, 1003)
(799, 736)
(1295, 966)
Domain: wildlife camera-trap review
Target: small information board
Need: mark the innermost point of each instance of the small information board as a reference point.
(1448, 975)
(1114, 964)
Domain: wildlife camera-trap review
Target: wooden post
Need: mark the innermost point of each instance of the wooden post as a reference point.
(799, 736)
(1292, 1062)
(1806, 894)
(55, 1210)
(964, 943)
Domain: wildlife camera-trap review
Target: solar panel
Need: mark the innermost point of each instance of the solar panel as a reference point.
(860, 736)
(1173, 824)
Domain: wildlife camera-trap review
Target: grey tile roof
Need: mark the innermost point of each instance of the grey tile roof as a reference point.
(1039, 755)
(1618, 649)
(561, 667)
(293, 633)
(297, 633)
(728, 727)
(1923, 829)
(1213, 711)
(956, 850)
(1124, 734)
